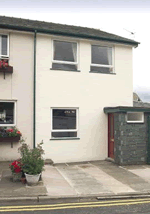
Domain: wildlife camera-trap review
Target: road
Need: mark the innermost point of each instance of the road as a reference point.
(121, 206)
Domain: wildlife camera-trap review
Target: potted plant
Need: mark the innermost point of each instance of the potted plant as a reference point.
(16, 170)
(32, 162)
(9, 135)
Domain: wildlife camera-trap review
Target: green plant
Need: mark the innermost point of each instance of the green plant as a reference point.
(31, 159)
(12, 132)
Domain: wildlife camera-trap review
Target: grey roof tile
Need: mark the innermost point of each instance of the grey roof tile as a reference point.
(61, 29)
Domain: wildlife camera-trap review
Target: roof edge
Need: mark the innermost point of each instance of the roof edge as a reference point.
(124, 109)
(20, 28)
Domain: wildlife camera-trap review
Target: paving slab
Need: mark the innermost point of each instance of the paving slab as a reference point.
(142, 172)
(106, 180)
(125, 176)
(55, 183)
(81, 181)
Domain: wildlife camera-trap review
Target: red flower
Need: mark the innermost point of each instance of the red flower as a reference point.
(15, 166)
(10, 130)
(18, 169)
(18, 132)
(13, 163)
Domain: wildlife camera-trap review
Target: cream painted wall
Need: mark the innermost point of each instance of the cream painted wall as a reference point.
(87, 91)
(19, 86)
(90, 92)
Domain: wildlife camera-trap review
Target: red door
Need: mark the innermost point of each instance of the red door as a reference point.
(111, 135)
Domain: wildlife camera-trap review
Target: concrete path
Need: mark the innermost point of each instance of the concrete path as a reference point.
(142, 171)
(95, 178)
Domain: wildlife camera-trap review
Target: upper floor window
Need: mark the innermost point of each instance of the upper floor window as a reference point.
(101, 59)
(7, 113)
(3, 45)
(64, 55)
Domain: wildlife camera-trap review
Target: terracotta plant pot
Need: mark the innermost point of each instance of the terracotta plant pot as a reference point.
(16, 176)
(23, 180)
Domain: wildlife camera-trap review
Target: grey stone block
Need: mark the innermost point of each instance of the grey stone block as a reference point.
(131, 140)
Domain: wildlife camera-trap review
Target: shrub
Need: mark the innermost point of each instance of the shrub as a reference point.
(31, 159)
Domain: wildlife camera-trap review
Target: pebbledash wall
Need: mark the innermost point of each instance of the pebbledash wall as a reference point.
(18, 87)
(90, 92)
(131, 140)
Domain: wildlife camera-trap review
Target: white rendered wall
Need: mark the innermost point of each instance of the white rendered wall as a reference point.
(90, 92)
(19, 86)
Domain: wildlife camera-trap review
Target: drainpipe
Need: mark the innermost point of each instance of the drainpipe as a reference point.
(34, 93)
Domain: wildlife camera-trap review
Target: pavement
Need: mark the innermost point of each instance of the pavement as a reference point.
(100, 179)
(8, 188)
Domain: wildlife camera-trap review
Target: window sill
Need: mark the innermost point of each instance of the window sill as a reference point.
(135, 122)
(96, 72)
(6, 124)
(65, 138)
(64, 70)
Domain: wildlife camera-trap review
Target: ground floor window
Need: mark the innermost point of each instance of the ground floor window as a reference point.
(64, 122)
(135, 117)
(7, 113)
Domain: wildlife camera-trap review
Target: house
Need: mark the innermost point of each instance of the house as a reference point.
(137, 101)
(64, 87)
(136, 97)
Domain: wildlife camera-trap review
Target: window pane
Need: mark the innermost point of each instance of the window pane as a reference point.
(101, 55)
(64, 67)
(101, 69)
(4, 45)
(64, 134)
(65, 51)
(135, 116)
(6, 113)
(64, 119)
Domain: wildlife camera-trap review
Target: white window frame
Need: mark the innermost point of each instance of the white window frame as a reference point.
(14, 112)
(136, 121)
(65, 130)
(64, 62)
(101, 65)
(4, 56)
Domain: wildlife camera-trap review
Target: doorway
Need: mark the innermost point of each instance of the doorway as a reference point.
(111, 136)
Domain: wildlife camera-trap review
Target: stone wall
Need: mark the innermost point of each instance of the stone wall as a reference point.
(141, 104)
(130, 140)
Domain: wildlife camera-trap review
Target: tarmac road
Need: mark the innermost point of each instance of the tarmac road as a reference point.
(118, 206)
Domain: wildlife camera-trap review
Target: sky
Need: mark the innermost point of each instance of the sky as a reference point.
(127, 18)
